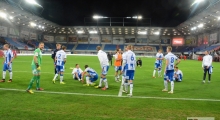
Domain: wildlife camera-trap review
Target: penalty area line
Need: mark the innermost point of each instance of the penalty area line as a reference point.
(116, 96)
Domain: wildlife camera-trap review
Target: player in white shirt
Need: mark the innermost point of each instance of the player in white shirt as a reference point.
(8, 58)
(60, 61)
(158, 63)
(103, 59)
(130, 63)
(77, 73)
(91, 76)
(178, 75)
(123, 72)
(169, 69)
(207, 66)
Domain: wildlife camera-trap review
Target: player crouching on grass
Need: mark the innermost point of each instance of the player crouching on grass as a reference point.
(91, 76)
(178, 75)
(36, 63)
(77, 73)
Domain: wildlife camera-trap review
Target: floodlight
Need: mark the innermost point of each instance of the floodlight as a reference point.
(200, 25)
(156, 33)
(11, 17)
(93, 32)
(139, 17)
(142, 32)
(80, 32)
(97, 17)
(3, 15)
(197, 1)
(33, 24)
(32, 2)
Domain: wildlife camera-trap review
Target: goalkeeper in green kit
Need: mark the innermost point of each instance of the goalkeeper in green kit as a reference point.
(36, 63)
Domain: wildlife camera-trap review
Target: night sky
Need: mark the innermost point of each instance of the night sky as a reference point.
(163, 13)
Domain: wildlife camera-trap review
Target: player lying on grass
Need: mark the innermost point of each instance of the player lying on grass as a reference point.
(77, 73)
(90, 75)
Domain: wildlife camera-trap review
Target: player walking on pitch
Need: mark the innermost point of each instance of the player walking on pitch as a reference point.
(103, 59)
(60, 61)
(118, 60)
(36, 63)
(130, 63)
(7, 64)
(169, 69)
(158, 63)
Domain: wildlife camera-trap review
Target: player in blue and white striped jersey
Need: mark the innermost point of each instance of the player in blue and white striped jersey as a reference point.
(60, 61)
(8, 58)
(130, 63)
(91, 76)
(169, 69)
(158, 63)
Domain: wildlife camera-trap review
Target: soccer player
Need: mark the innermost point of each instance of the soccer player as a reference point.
(36, 63)
(169, 69)
(178, 75)
(139, 62)
(91, 77)
(130, 63)
(7, 65)
(60, 61)
(124, 70)
(207, 66)
(158, 63)
(118, 60)
(58, 46)
(77, 73)
(103, 59)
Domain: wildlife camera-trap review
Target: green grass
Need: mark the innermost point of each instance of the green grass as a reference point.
(19, 105)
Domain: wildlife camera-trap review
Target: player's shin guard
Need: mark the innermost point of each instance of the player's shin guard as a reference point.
(172, 86)
(165, 85)
(3, 75)
(61, 77)
(87, 80)
(10, 74)
(55, 76)
(100, 82)
(31, 82)
(105, 82)
(154, 73)
(131, 88)
(38, 81)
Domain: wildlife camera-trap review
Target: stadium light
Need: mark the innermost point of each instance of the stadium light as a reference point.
(197, 1)
(93, 32)
(11, 17)
(142, 32)
(156, 33)
(97, 17)
(80, 32)
(137, 17)
(218, 18)
(33, 24)
(32, 2)
(200, 25)
(3, 15)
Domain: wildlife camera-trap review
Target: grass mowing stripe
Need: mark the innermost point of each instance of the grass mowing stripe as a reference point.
(99, 95)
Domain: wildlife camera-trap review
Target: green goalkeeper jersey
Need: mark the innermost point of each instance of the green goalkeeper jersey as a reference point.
(38, 54)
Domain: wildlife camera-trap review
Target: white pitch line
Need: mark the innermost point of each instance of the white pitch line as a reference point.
(103, 95)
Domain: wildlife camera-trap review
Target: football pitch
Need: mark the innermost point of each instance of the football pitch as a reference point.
(73, 101)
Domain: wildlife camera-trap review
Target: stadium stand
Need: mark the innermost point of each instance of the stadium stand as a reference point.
(93, 46)
(212, 47)
(82, 47)
(109, 47)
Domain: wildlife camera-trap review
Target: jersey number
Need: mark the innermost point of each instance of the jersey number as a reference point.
(59, 56)
(172, 60)
(132, 58)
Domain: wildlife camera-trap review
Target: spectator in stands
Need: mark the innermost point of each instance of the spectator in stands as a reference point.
(110, 56)
(58, 46)
(139, 62)
(184, 57)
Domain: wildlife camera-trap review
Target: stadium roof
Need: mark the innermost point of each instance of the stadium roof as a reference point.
(26, 19)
